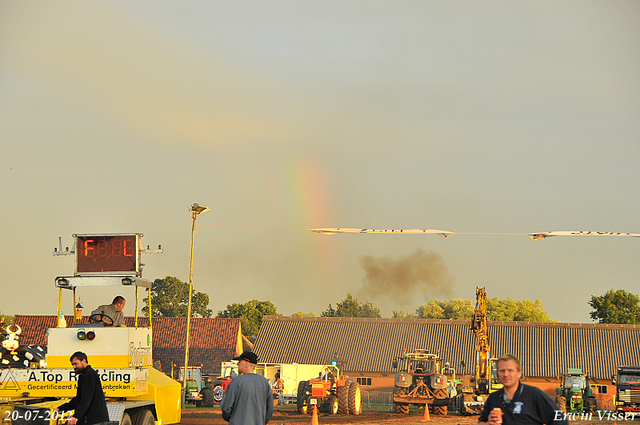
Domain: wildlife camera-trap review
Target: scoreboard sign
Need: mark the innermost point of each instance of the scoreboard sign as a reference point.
(108, 254)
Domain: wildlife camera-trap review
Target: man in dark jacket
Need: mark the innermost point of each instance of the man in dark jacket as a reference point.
(89, 404)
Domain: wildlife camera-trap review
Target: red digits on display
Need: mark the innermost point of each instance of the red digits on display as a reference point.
(128, 248)
(102, 248)
(115, 247)
(88, 248)
(107, 254)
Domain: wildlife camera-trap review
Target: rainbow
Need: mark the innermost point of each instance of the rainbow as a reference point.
(304, 185)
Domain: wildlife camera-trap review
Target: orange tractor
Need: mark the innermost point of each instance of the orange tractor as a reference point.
(331, 393)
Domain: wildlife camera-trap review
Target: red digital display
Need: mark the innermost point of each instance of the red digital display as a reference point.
(106, 254)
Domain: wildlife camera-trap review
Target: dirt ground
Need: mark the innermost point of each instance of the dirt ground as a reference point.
(213, 417)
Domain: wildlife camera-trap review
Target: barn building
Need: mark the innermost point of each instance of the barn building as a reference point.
(367, 347)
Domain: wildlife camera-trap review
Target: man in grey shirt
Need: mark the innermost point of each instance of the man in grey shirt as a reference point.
(249, 398)
(112, 311)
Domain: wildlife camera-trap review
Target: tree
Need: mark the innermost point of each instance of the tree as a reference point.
(516, 310)
(499, 310)
(250, 314)
(329, 312)
(456, 309)
(367, 309)
(431, 310)
(6, 320)
(616, 306)
(350, 307)
(301, 314)
(170, 298)
(399, 314)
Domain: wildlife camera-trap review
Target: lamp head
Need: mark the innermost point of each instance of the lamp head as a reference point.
(199, 209)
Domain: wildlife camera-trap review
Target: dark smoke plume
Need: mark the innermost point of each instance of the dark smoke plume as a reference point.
(414, 278)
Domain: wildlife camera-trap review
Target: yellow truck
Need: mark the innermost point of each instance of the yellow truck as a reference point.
(136, 393)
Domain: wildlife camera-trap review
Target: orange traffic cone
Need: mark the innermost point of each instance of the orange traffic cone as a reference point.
(314, 417)
(426, 413)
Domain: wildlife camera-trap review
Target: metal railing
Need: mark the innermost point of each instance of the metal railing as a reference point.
(377, 398)
(369, 398)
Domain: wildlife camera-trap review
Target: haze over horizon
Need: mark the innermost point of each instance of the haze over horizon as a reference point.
(491, 120)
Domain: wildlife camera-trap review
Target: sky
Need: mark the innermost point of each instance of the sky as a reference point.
(487, 119)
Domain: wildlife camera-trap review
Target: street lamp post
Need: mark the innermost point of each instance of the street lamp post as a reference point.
(196, 210)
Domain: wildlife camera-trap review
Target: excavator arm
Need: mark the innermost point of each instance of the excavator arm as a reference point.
(479, 326)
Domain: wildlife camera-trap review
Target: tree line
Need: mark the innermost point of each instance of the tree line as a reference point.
(170, 297)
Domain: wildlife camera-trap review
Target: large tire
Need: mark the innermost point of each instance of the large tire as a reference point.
(343, 398)
(561, 401)
(440, 410)
(332, 405)
(311, 408)
(301, 397)
(441, 393)
(207, 397)
(142, 417)
(218, 394)
(401, 408)
(355, 399)
(126, 419)
(592, 405)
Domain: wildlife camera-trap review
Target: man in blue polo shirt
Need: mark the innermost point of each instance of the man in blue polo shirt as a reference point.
(517, 403)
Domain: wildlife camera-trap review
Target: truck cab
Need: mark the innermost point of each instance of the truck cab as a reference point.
(627, 384)
(135, 392)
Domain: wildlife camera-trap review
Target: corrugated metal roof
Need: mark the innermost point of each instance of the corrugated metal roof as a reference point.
(369, 345)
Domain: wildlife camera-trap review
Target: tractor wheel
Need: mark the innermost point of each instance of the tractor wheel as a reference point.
(441, 394)
(311, 408)
(440, 410)
(342, 393)
(561, 401)
(401, 408)
(301, 397)
(142, 417)
(332, 404)
(592, 405)
(355, 399)
(207, 397)
(218, 394)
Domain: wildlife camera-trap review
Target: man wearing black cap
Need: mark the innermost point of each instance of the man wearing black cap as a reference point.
(249, 399)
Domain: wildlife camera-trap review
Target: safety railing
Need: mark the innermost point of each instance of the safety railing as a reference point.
(377, 398)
